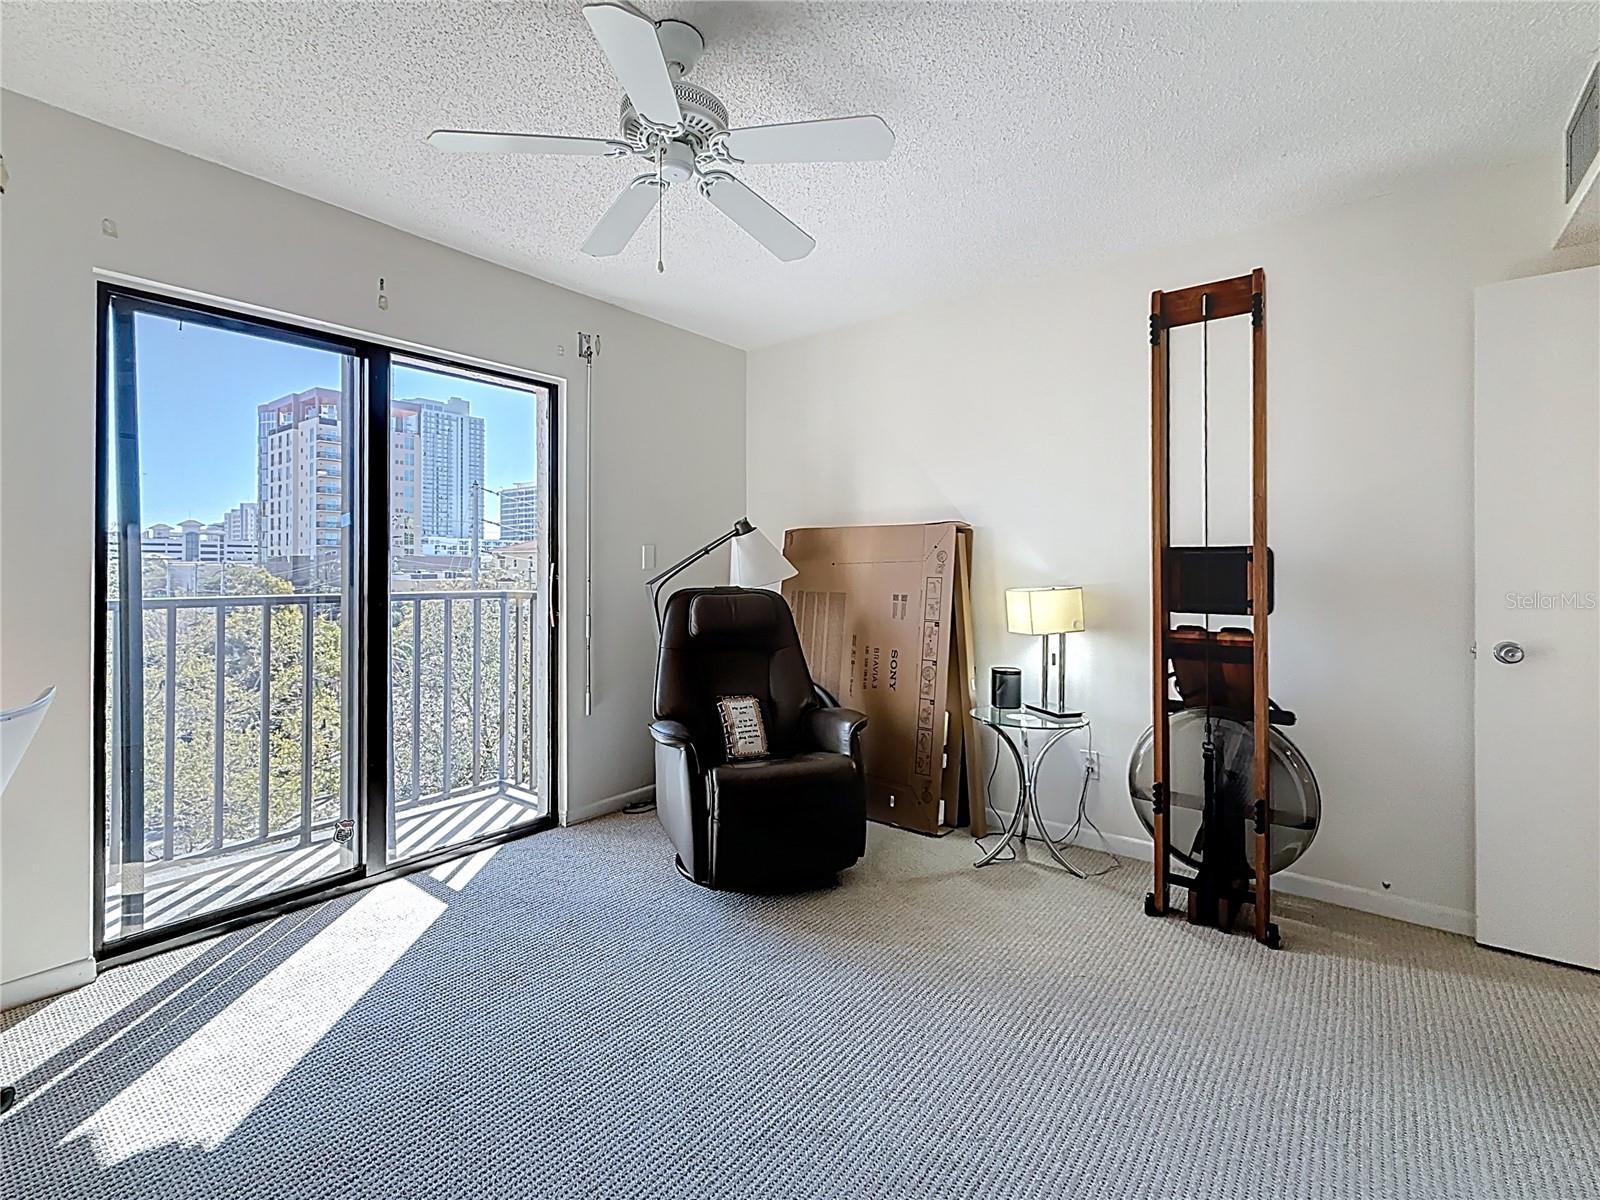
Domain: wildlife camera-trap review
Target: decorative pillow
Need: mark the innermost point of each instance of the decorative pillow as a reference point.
(744, 733)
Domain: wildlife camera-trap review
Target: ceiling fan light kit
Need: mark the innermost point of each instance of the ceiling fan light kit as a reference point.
(682, 131)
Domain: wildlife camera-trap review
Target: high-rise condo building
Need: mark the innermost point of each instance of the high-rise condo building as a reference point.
(519, 512)
(436, 456)
(299, 482)
(241, 524)
(436, 468)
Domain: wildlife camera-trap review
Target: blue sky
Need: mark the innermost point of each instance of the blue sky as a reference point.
(198, 392)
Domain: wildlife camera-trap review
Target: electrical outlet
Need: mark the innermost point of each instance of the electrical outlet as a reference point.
(1091, 763)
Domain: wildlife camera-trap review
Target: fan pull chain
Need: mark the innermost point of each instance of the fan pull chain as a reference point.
(661, 219)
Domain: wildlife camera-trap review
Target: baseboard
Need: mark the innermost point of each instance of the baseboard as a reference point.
(43, 984)
(1291, 883)
(578, 813)
(1382, 904)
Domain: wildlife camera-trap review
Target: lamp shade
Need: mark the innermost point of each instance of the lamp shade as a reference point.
(757, 562)
(1046, 610)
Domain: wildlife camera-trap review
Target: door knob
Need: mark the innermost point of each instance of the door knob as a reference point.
(1509, 653)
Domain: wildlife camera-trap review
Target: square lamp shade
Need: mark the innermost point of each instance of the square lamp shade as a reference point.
(1043, 611)
(757, 562)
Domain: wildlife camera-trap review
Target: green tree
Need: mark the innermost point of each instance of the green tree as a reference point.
(263, 637)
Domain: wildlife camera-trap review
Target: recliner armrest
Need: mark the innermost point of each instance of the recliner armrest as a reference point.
(836, 729)
(675, 736)
(671, 733)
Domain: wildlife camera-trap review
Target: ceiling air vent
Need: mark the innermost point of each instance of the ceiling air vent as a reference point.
(1583, 134)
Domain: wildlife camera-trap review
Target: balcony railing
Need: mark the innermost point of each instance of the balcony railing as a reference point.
(486, 690)
(254, 684)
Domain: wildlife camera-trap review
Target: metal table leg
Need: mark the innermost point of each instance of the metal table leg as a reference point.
(1038, 816)
(1020, 816)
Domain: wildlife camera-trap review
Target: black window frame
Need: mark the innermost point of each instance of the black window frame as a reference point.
(373, 749)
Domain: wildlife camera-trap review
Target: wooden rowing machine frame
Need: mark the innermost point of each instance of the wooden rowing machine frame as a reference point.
(1243, 295)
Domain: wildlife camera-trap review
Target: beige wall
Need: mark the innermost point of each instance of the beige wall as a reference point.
(668, 455)
(1025, 411)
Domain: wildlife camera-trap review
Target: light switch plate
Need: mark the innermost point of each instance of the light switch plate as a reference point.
(647, 557)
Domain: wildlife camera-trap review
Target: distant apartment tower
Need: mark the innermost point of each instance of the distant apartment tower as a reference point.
(405, 478)
(436, 468)
(299, 483)
(435, 473)
(241, 524)
(519, 512)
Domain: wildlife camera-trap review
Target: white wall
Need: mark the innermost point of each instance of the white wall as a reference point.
(668, 456)
(1025, 411)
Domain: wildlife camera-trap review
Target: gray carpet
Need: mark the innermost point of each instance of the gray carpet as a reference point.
(573, 1019)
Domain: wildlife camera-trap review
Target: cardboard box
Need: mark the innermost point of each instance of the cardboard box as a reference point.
(877, 611)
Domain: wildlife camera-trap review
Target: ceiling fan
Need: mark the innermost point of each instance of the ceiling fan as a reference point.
(682, 130)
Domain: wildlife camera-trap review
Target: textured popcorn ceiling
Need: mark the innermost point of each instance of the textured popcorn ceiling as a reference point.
(1030, 136)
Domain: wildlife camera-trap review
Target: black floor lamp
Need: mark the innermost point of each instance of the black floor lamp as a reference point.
(756, 563)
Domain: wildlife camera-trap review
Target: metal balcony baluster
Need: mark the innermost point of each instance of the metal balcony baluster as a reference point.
(512, 765)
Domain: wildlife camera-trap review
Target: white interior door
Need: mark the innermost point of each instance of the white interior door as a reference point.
(1537, 724)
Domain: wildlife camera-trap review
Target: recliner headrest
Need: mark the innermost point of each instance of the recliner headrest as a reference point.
(732, 615)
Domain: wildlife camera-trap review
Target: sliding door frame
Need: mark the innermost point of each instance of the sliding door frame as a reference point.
(368, 745)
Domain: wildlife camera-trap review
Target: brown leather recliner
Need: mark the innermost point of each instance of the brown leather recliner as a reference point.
(793, 819)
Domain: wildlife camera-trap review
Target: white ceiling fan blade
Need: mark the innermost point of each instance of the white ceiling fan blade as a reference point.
(623, 218)
(634, 52)
(840, 139)
(756, 217)
(478, 141)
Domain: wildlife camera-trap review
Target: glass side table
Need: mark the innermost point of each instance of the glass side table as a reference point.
(1012, 727)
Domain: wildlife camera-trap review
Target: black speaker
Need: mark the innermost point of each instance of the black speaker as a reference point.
(1005, 687)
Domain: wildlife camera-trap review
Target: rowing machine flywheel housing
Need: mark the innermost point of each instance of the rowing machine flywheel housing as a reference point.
(1296, 799)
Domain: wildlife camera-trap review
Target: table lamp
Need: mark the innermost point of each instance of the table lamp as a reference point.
(1046, 612)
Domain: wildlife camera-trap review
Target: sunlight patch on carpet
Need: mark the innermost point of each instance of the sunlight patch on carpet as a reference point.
(198, 1094)
(459, 873)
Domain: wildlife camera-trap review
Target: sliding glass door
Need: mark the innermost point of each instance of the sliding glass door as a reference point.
(325, 644)
(228, 613)
(468, 542)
